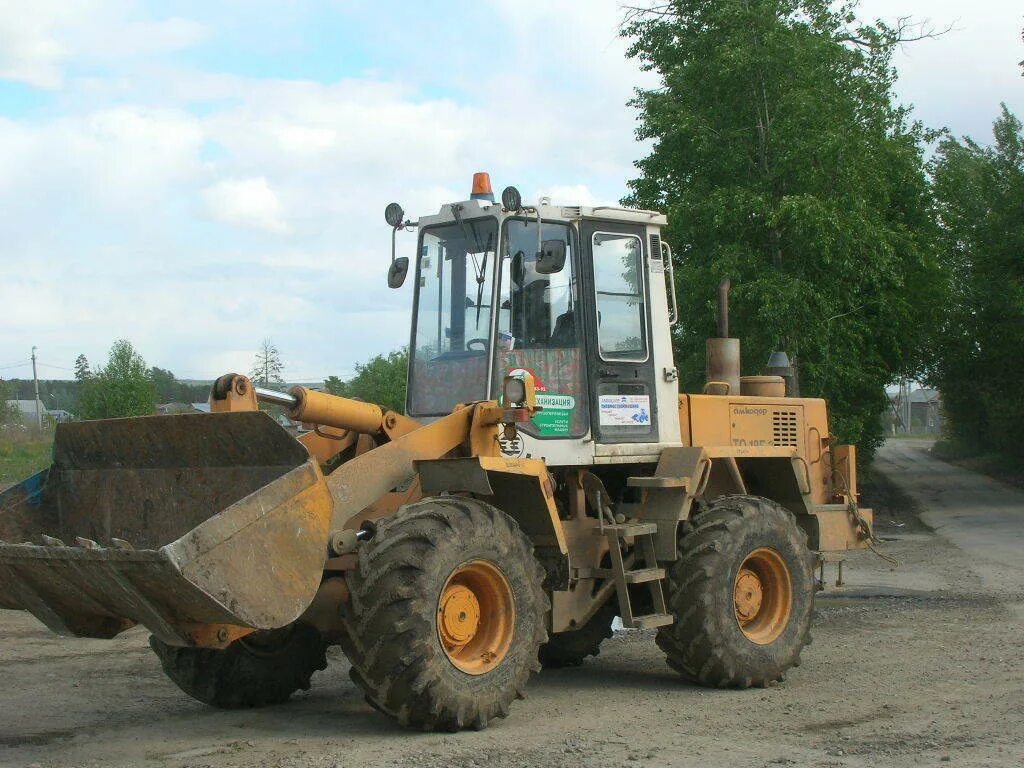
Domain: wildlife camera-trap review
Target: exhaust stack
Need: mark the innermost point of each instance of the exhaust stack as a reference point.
(723, 353)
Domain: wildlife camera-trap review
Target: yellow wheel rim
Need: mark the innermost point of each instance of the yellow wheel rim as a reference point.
(763, 596)
(476, 617)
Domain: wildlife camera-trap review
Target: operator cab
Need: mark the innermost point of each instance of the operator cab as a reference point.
(568, 294)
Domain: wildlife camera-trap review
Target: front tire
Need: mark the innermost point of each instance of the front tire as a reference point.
(256, 671)
(742, 593)
(446, 616)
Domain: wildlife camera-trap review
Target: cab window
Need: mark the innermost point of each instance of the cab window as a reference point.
(621, 310)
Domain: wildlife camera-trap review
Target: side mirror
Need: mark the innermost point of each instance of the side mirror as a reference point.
(551, 258)
(398, 271)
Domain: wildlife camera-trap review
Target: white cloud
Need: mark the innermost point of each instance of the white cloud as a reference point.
(29, 52)
(116, 161)
(575, 194)
(246, 203)
(38, 39)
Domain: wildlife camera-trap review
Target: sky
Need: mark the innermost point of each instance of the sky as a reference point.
(199, 176)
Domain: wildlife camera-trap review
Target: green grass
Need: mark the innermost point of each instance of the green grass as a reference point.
(23, 453)
(912, 436)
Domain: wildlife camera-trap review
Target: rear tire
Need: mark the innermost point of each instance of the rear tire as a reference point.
(255, 671)
(570, 649)
(427, 569)
(742, 593)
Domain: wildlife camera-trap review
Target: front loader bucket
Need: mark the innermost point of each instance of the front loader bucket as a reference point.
(174, 522)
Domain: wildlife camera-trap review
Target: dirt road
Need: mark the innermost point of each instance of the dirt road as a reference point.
(919, 666)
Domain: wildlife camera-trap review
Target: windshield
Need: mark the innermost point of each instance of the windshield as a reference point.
(450, 345)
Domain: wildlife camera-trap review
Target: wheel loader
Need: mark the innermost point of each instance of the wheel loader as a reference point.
(546, 477)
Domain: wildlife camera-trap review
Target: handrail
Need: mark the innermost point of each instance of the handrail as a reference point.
(673, 316)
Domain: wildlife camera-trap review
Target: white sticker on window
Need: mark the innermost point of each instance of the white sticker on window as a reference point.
(625, 410)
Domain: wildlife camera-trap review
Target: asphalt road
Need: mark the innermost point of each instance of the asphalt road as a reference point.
(922, 665)
(981, 516)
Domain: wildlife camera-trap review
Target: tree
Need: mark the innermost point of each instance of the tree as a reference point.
(9, 414)
(120, 388)
(267, 368)
(979, 193)
(334, 386)
(165, 384)
(170, 389)
(82, 370)
(783, 164)
(380, 380)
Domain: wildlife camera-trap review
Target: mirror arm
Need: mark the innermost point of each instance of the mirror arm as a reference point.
(540, 235)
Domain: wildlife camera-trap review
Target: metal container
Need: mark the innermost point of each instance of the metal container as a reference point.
(763, 386)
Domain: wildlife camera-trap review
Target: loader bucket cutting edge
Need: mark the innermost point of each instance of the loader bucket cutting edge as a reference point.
(196, 519)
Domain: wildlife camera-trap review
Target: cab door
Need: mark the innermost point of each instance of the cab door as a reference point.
(620, 361)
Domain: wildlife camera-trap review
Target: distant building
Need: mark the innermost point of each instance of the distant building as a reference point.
(917, 411)
(27, 411)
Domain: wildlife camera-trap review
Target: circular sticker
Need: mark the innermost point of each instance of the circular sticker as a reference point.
(513, 447)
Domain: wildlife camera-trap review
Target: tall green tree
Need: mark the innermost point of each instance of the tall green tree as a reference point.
(82, 369)
(379, 380)
(166, 385)
(785, 165)
(122, 387)
(980, 200)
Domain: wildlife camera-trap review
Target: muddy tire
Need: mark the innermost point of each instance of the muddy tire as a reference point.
(570, 649)
(251, 672)
(742, 593)
(446, 616)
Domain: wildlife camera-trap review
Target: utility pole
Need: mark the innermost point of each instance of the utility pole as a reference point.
(35, 379)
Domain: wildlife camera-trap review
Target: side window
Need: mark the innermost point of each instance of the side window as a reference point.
(540, 327)
(621, 310)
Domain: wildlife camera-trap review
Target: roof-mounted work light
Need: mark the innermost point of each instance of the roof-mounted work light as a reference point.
(511, 199)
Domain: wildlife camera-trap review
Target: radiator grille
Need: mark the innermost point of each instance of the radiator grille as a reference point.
(784, 428)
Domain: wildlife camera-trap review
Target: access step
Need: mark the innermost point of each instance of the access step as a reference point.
(651, 621)
(637, 576)
(625, 530)
(657, 482)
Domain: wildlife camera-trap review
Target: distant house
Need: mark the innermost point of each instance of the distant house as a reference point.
(27, 411)
(919, 410)
(60, 415)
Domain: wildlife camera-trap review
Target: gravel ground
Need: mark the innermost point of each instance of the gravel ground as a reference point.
(917, 666)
